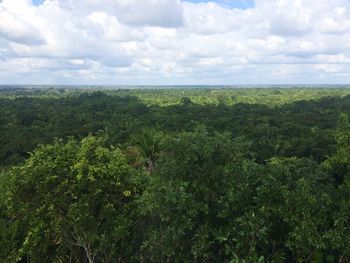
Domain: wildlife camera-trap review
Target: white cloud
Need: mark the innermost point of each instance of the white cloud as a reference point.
(15, 29)
(174, 42)
(164, 13)
(211, 18)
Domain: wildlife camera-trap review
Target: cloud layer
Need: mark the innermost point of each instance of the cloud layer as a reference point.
(174, 42)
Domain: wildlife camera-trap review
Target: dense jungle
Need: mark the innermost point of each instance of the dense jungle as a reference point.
(177, 174)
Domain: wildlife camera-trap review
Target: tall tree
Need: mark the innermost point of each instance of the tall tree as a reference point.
(75, 202)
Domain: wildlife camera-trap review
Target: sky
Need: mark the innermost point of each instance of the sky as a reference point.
(174, 42)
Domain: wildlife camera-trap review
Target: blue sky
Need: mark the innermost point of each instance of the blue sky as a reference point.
(37, 2)
(166, 42)
(242, 4)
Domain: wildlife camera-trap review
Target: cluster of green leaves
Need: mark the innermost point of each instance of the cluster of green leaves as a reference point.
(71, 201)
(211, 202)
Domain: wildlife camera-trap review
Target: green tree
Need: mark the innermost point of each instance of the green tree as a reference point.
(184, 197)
(75, 202)
(339, 164)
(147, 143)
(185, 101)
(7, 228)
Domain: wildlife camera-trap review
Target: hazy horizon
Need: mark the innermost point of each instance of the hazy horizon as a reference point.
(150, 86)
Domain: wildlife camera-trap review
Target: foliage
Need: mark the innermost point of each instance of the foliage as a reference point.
(184, 195)
(74, 201)
(175, 175)
(147, 143)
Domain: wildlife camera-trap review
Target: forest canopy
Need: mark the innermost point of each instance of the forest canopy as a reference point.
(175, 175)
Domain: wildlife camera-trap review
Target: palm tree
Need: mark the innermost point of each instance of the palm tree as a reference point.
(147, 143)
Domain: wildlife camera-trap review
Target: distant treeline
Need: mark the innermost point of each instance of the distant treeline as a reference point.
(283, 124)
